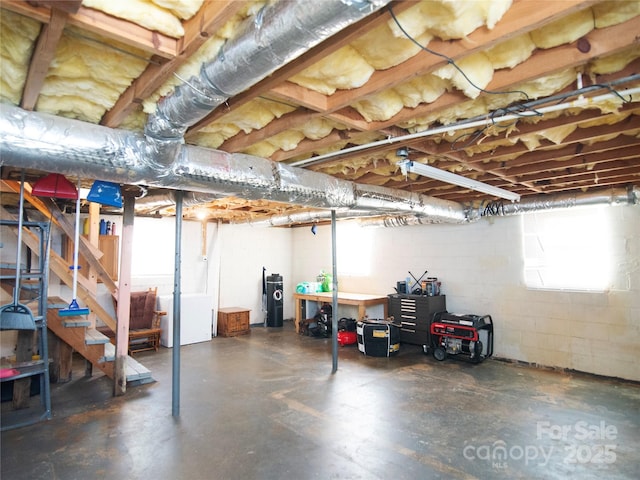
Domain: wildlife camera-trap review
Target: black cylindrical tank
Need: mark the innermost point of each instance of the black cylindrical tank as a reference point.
(274, 300)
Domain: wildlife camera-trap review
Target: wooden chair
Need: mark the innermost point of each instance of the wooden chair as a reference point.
(144, 321)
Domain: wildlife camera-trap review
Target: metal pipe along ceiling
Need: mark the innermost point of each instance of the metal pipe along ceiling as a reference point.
(614, 196)
(78, 149)
(278, 34)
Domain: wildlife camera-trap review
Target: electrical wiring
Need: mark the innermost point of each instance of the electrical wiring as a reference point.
(450, 60)
(473, 138)
(520, 109)
(495, 208)
(528, 109)
(477, 121)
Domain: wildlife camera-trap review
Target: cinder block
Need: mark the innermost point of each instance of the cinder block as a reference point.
(555, 358)
(553, 326)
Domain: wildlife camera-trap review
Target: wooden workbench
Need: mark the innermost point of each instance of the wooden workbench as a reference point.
(361, 300)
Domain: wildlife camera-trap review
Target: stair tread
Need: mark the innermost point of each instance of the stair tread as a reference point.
(134, 370)
(94, 337)
(56, 305)
(76, 323)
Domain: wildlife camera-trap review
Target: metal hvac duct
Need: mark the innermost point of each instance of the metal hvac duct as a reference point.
(159, 201)
(614, 196)
(78, 149)
(304, 217)
(278, 34)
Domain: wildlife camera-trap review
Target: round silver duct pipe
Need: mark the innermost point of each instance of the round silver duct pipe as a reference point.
(77, 149)
(614, 196)
(278, 34)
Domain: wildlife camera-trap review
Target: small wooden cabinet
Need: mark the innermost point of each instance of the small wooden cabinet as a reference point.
(233, 321)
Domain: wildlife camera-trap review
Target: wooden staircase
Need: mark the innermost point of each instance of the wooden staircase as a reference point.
(76, 331)
(94, 346)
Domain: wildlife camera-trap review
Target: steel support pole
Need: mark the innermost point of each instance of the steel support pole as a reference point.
(175, 410)
(334, 308)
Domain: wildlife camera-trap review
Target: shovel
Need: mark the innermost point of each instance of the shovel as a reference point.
(16, 316)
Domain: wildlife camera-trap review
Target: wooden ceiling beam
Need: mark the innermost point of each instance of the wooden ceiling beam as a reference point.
(295, 95)
(507, 153)
(336, 106)
(506, 81)
(538, 178)
(41, 13)
(294, 67)
(42, 57)
(427, 144)
(102, 24)
(524, 129)
(289, 120)
(124, 31)
(572, 174)
(592, 179)
(499, 150)
(68, 6)
(309, 146)
(337, 110)
(573, 159)
(198, 29)
(592, 183)
(540, 64)
(532, 171)
(522, 17)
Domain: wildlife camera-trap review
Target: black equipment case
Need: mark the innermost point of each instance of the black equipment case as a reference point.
(378, 338)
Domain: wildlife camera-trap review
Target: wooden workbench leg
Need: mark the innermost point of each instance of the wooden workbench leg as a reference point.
(362, 312)
(298, 315)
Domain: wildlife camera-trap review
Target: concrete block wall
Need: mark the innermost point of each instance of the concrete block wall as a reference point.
(481, 269)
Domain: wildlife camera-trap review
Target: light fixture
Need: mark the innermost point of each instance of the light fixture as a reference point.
(105, 193)
(409, 166)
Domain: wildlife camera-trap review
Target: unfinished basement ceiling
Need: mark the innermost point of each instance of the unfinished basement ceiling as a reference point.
(347, 105)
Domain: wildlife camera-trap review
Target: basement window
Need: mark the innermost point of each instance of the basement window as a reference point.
(354, 249)
(568, 249)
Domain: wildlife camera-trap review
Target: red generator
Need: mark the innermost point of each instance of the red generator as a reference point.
(470, 336)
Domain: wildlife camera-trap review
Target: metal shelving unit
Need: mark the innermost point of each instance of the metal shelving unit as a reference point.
(36, 276)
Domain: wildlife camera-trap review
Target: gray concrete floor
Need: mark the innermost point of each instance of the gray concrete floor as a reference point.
(266, 406)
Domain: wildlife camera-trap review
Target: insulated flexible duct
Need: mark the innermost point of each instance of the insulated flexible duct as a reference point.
(278, 34)
(614, 196)
(70, 147)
